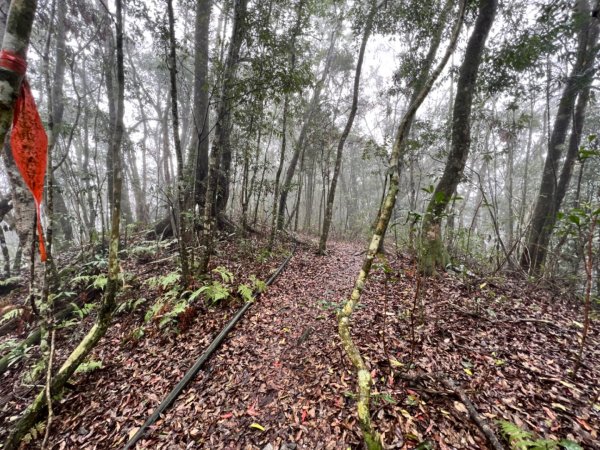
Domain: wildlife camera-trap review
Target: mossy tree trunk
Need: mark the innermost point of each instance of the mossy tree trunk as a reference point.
(219, 161)
(31, 414)
(422, 89)
(433, 252)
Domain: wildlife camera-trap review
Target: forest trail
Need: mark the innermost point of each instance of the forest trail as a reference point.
(278, 368)
(280, 381)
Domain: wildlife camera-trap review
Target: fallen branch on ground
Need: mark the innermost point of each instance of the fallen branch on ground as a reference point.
(460, 393)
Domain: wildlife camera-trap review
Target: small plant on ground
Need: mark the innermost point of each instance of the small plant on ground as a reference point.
(217, 290)
(520, 439)
(130, 305)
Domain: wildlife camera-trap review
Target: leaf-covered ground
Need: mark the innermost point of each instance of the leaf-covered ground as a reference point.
(281, 380)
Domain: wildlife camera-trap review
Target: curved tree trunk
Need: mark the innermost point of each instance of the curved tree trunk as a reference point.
(422, 89)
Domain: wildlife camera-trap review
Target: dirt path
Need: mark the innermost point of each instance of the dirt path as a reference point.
(278, 369)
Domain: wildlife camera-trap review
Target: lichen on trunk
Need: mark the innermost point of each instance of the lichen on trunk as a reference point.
(422, 89)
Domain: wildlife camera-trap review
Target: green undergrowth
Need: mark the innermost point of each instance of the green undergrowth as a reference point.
(175, 307)
(520, 439)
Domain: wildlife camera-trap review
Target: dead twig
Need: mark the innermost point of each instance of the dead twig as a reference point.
(461, 394)
(473, 414)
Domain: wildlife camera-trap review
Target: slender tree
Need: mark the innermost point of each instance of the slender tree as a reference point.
(346, 131)
(433, 252)
(371, 437)
(217, 188)
(180, 213)
(286, 106)
(199, 143)
(307, 121)
(107, 306)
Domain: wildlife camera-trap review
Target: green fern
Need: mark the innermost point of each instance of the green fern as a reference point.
(246, 292)
(35, 432)
(138, 333)
(520, 439)
(259, 285)
(225, 274)
(544, 444)
(100, 282)
(214, 293)
(570, 445)
(17, 353)
(81, 279)
(170, 318)
(164, 281)
(83, 311)
(12, 314)
(8, 345)
(130, 305)
(153, 310)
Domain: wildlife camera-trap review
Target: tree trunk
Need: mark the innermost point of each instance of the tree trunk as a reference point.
(306, 124)
(199, 145)
(552, 190)
(180, 210)
(217, 187)
(433, 251)
(371, 437)
(346, 131)
(286, 103)
(222, 144)
(16, 30)
(30, 416)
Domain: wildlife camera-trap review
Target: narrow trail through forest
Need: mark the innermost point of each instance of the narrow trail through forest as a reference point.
(280, 381)
(276, 370)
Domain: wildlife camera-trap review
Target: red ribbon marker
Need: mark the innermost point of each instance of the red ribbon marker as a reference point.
(28, 139)
(13, 62)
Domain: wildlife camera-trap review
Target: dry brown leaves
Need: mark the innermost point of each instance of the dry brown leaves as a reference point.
(281, 381)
